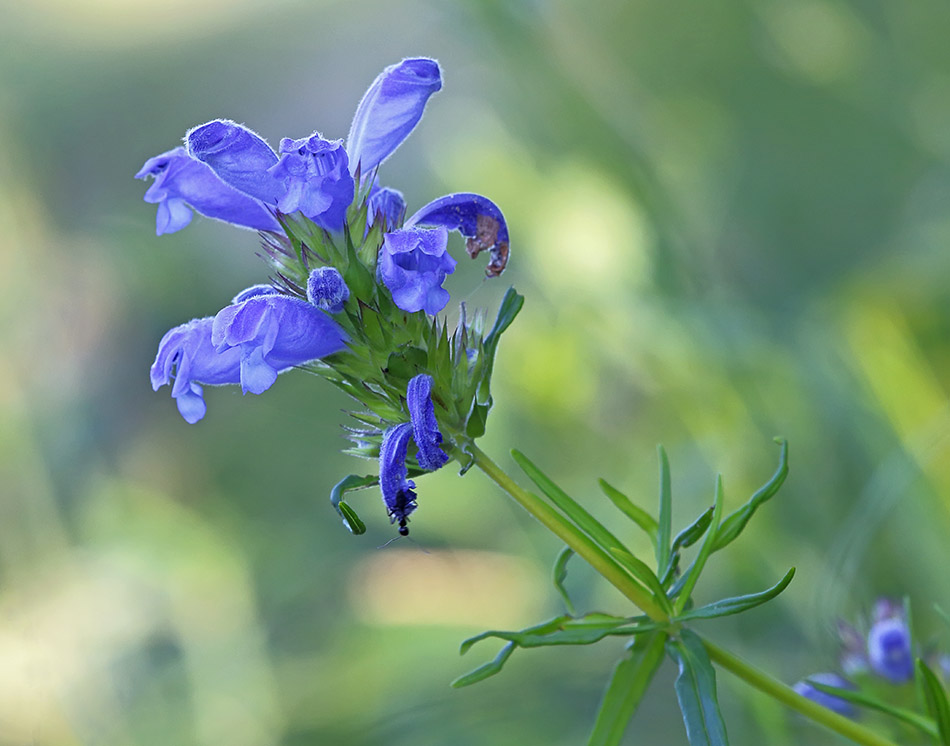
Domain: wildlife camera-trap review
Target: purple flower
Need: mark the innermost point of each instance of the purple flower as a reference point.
(475, 217)
(425, 428)
(181, 182)
(389, 110)
(413, 264)
(836, 704)
(316, 179)
(274, 333)
(387, 204)
(311, 176)
(889, 643)
(397, 488)
(327, 290)
(187, 356)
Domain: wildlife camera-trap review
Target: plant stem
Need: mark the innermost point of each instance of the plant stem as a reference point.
(790, 698)
(571, 536)
(583, 546)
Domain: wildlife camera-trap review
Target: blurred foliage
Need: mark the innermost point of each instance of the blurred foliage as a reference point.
(730, 221)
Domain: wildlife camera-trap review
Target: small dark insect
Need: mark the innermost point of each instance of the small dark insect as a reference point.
(404, 504)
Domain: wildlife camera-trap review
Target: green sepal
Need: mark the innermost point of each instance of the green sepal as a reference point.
(696, 691)
(738, 604)
(351, 520)
(406, 362)
(635, 513)
(936, 698)
(734, 523)
(357, 277)
(477, 420)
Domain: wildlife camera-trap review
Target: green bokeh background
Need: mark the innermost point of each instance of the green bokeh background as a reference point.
(730, 221)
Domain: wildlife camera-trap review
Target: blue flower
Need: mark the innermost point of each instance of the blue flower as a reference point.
(836, 704)
(389, 110)
(889, 643)
(398, 490)
(425, 428)
(181, 182)
(274, 333)
(317, 180)
(386, 204)
(327, 290)
(475, 217)
(187, 357)
(413, 263)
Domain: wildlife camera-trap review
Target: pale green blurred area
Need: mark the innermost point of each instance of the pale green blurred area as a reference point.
(730, 220)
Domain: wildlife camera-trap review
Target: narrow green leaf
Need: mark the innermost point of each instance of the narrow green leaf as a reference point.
(567, 504)
(567, 630)
(626, 688)
(642, 572)
(560, 575)
(857, 697)
(665, 524)
(696, 691)
(509, 308)
(635, 513)
(351, 520)
(686, 538)
(738, 604)
(486, 670)
(733, 525)
(688, 581)
(936, 697)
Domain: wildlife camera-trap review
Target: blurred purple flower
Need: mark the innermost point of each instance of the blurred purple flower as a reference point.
(327, 290)
(397, 488)
(274, 333)
(389, 110)
(187, 357)
(475, 217)
(836, 704)
(413, 263)
(889, 643)
(181, 182)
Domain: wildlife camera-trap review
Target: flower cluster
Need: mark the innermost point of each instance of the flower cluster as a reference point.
(355, 286)
(885, 653)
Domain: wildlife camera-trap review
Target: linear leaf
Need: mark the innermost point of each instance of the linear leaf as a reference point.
(635, 513)
(351, 520)
(566, 630)
(691, 576)
(487, 669)
(696, 691)
(738, 604)
(733, 525)
(686, 538)
(665, 525)
(560, 575)
(910, 717)
(936, 697)
(642, 572)
(628, 684)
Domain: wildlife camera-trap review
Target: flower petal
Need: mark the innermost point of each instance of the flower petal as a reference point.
(413, 263)
(425, 428)
(180, 181)
(389, 110)
(239, 156)
(397, 489)
(316, 180)
(475, 217)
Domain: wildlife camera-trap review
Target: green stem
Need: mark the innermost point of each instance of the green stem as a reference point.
(790, 698)
(571, 536)
(581, 544)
